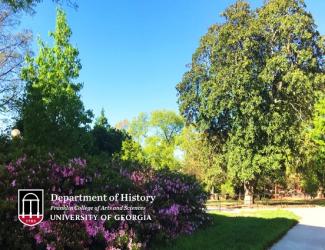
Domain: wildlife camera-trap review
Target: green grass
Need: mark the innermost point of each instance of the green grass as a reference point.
(283, 202)
(267, 202)
(249, 231)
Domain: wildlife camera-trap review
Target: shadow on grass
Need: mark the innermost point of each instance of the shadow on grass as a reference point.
(235, 232)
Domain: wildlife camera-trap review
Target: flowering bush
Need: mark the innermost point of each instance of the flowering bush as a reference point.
(177, 209)
(179, 205)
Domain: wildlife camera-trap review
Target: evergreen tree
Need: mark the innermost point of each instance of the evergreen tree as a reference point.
(106, 139)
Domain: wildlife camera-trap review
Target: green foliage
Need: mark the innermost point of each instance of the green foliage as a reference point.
(178, 209)
(313, 151)
(102, 121)
(310, 184)
(132, 151)
(52, 115)
(252, 82)
(160, 153)
(17, 5)
(318, 137)
(201, 159)
(106, 139)
(167, 124)
(29, 5)
(157, 134)
(227, 188)
(317, 132)
(138, 127)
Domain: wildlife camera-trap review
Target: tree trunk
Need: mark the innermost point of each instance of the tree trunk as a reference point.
(320, 193)
(249, 194)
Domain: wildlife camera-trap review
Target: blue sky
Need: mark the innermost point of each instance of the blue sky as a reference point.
(134, 52)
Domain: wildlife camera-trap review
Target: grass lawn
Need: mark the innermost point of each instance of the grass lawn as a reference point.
(247, 230)
(268, 202)
(313, 202)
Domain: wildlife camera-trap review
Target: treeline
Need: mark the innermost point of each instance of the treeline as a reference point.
(252, 103)
(255, 89)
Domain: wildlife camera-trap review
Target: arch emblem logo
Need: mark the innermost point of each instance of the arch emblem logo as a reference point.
(30, 206)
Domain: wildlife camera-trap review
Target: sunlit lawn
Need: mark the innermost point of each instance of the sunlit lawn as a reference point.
(249, 230)
(268, 202)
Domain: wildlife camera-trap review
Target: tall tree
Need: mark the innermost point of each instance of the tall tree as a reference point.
(157, 135)
(313, 166)
(318, 137)
(29, 5)
(53, 114)
(168, 124)
(138, 127)
(252, 82)
(201, 159)
(13, 47)
(106, 139)
(102, 121)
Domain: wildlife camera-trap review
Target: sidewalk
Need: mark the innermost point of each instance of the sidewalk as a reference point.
(308, 234)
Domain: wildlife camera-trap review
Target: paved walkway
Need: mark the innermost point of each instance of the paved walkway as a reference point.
(308, 234)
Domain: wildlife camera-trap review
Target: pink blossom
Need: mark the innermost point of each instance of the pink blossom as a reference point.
(77, 180)
(38, 238)
(50, 247)
(13, 183)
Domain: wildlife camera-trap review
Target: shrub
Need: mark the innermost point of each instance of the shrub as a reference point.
(178, 207)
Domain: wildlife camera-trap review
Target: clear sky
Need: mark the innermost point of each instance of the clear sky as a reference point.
(134, 52)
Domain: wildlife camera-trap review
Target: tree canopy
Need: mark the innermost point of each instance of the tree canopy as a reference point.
(252, 82)
(154, 138)
(13, 47)
(52, 114)
(29, 5)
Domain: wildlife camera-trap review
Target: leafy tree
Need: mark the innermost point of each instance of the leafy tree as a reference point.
(157, 135)
(160, 154)
(133, 152)
(29, 5)
(52, 115)
(106, 139)
(138, 127)
(313, 152)
(102, 121)
(122, 125)
(227, 188)
(318, 137)
(252, 82)
(201, 159)
(13, 47)
(167, 124)
(160, 147)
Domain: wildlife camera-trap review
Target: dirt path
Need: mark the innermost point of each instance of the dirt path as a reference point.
(308, 234)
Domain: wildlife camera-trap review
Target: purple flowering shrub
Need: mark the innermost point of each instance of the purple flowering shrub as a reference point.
(52, 177)
(178, 207)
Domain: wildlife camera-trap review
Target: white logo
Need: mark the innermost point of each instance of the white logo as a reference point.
(30, 206)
